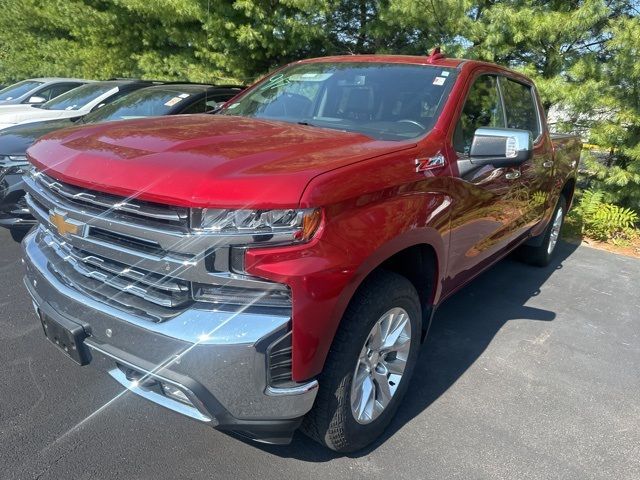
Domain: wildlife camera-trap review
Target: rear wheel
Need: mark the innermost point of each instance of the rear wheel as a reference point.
(542, 254)
(369, 366)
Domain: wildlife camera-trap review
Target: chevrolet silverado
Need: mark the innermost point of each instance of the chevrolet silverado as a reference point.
(277, 266)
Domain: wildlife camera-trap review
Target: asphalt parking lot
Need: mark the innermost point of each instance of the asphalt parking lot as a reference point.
(528, 373)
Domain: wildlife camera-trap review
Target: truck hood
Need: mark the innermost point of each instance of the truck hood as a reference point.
(203, 160)
(14, 114)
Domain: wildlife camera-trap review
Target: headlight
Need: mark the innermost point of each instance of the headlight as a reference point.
(265, 226)
(246, 229)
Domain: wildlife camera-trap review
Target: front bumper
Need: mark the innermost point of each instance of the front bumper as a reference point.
(218, 359)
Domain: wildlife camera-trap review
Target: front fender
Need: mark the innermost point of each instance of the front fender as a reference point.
(325, 274)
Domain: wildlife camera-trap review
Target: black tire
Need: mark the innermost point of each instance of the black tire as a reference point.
(331, 421)
(18, 234)
(540, 255)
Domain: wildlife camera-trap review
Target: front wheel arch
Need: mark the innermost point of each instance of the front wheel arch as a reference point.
(422, 263)
(419, 265)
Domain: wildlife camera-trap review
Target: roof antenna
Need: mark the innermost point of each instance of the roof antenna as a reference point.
(435, 55)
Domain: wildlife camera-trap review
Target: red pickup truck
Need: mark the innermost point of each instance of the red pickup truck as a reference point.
(277, 265)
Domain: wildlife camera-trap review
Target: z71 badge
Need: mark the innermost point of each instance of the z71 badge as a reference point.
(429, 163)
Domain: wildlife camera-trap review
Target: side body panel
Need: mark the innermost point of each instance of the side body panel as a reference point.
(495, 209)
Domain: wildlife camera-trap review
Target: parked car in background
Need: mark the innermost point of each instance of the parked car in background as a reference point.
(74, 103)
(167, 99)
(278, 264)
(37, 90)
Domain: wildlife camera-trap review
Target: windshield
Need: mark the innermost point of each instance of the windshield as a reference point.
(148, 102)
(385, 101)
(78, 97)
(18, 89)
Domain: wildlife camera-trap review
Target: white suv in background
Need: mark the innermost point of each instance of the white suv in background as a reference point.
(74, 103)
(37, 90)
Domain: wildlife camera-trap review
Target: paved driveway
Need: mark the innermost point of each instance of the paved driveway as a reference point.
(527, 373)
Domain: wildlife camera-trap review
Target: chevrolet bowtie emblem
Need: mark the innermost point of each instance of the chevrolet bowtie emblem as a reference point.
(63, 226)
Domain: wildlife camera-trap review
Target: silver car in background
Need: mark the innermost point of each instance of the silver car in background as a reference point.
(37, 90)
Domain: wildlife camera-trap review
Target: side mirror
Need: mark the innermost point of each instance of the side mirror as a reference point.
(501, 147)
(35, 100)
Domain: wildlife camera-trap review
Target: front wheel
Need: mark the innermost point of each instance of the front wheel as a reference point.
(369, 366)
(542, 254)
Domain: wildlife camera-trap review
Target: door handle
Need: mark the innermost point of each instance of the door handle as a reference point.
(512, 175)
(548, 164)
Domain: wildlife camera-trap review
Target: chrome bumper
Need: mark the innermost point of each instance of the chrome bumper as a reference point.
(217, 358)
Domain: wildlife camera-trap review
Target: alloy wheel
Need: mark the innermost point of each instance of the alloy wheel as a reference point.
(381, 365)
(555, 231)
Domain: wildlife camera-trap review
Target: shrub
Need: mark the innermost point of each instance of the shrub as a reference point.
(605, 221)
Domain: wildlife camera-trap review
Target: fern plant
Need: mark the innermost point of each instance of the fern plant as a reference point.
(605, 221)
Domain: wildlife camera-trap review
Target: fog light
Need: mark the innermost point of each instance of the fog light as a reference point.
(175, 393)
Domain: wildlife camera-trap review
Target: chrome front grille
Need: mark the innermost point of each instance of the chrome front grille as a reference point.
(100, 203)
(131, 288)
(123, 268)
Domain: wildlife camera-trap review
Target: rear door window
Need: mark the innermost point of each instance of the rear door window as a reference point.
(520, 106)
(200, 106)
(55, 90)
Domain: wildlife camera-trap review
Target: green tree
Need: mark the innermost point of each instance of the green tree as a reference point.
(581, 53)
(64, 37)
(607, 101)
(241, 39)
(199, 40)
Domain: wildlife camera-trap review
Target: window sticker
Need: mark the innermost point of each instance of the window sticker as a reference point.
(183, 95)
(172, 102)
(310, 77)
(439, 81)
(444, 73)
